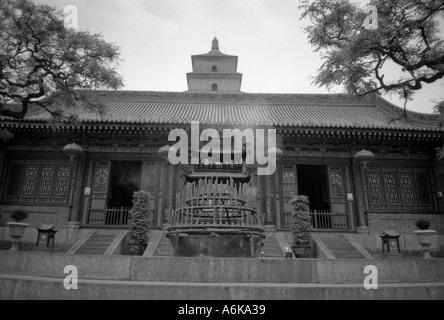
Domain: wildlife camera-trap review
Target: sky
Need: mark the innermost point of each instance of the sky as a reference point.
(158, 37)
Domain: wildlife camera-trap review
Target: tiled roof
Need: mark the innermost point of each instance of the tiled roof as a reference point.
(279, 110)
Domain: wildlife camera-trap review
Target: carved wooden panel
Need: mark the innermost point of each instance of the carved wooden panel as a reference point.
(61, 185)
(45, 182)
(336, 180)
(149, 177)
(399, 188)
(37, 181)
(13, 182)
(101, 177)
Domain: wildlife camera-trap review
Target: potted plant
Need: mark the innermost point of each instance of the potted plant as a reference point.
(425, 237)
(17, 228)
(140, 223)
(301, 227)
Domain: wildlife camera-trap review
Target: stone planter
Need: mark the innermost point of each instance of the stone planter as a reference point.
(425, 239)
(16, 232)
(302, 251)
(136, 249)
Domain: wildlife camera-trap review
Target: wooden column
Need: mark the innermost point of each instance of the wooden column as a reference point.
(359, 194)
(87, 198)
(160, 205)
(270, 224)
(3, 171)
(277, 195)
(79, 169)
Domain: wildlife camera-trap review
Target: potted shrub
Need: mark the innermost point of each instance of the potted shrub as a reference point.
(17, 228)
(301, 227)
(140, 223)
(425, 237)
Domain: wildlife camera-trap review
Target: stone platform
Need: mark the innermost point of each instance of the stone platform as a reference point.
(25, 275)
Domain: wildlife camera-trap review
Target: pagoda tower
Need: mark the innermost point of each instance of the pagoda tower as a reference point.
(214, 72)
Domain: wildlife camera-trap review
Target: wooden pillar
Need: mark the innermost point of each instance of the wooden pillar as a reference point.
(161, 217)
(3, 171)
(87, 198)
(438, 184)
(259, 195)
(360, 200)
(270, 222)
(79, 168)
(278, 195)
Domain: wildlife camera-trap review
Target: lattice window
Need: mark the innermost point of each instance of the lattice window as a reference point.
(101, 178)
(13, 182)
(399, 188)
(408, 192)
(289, 179)
(422, 185)
(391, 188)
(149, 177)
(44, 185)
(29, 180)
(376, 194)
(336, 181)
(61, 185)
(33, 180)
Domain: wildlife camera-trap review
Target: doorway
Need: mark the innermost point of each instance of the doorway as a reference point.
(125, 179)
(313, 182)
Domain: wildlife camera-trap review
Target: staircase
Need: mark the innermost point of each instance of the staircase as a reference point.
(164, 249)
(272, 247)
(96, 244)
(340, 247)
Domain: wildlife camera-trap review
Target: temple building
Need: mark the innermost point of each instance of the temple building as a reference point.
(364, 166)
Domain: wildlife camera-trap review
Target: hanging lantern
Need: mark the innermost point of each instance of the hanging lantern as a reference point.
(73, 151)
(364, 157)
(164, 151)
(279, 153)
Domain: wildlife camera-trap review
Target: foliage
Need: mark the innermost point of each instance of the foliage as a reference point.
(19, 214)
(140, 218)
(5, 135)
(46, 66)
(407, 38)
(422, 224)
(440, 153)
(301, 221)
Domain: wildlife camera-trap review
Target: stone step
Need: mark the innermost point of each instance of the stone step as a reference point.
(347, 254)
(272, 248)
(340, 247)
(90, 251)
(100, 240)
(164, 249)
(97, 244)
